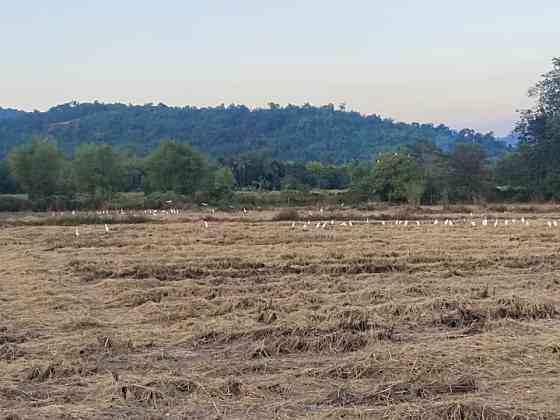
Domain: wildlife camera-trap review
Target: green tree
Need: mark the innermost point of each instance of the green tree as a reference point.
(539, 130)
(98, 170)
(398, 177)
(8, 184)
(38, 168)
(223, 183)
(432, 163)
(468, 175)
(176, 167)
(513, 175)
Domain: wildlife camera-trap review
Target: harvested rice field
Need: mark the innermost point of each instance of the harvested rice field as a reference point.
(252, 318)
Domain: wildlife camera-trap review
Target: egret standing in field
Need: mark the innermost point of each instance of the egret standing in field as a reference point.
(106, 228)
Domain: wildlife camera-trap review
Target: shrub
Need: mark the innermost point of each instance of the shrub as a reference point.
(287, 215)
(498, 208)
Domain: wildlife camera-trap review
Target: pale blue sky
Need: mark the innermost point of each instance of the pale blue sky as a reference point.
(463, 63)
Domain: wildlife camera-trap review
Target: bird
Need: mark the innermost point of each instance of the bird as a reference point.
(549, 223)
(350, 223)
(206, 224)
(406, 222)
(293, 225)
(383, 222)
(77, 232)
(106, 228)
(555, 223)
(417, 223)
(436, 222)
(473, 224)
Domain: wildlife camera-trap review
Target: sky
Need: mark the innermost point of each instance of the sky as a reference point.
(461, 63)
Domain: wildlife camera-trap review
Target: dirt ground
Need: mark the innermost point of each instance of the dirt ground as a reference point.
(251, 318)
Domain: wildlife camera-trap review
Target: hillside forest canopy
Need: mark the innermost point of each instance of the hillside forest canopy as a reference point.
(90, 153)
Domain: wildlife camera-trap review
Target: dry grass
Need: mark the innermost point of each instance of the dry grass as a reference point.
(250, 318)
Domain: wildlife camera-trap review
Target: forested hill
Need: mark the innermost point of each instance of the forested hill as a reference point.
(7, 113)
(298, 133)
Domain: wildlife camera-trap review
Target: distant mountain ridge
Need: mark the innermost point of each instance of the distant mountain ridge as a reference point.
(8, 113)
(297, 133)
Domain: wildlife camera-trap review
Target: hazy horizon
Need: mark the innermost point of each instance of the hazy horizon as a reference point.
(463, 65)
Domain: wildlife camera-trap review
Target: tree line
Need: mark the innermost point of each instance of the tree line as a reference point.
(421, 172)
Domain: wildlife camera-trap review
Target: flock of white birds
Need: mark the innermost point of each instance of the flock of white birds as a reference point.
(472, 220)
(445, 222)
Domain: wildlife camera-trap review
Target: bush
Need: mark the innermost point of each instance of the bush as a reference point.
(287, 215)
(498, 208)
